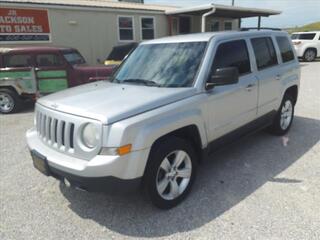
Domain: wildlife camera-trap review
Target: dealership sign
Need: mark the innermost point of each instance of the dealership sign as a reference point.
(24, 25)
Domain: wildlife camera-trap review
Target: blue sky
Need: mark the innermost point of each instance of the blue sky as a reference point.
(294, 12)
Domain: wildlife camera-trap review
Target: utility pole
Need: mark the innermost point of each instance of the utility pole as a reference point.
(232, 2)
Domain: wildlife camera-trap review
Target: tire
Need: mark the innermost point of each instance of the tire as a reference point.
(9, 101)
(166, 183)
(284, 118)
(309, 55)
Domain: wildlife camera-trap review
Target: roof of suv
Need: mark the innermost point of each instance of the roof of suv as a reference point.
(205, 37)
(306, 32)
(33, 48)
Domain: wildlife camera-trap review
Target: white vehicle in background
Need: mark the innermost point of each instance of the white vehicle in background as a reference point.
(307, 45)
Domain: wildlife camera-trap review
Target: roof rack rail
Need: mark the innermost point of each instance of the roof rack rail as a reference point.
(262, 28)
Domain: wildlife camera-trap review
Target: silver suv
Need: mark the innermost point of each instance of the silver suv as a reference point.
(171, 102)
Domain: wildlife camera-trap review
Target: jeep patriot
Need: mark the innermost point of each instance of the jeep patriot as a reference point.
(170, 103)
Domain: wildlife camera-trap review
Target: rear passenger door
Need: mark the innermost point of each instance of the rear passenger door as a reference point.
(17, 68)
(268, 73)
(51, 72)
(232, 106)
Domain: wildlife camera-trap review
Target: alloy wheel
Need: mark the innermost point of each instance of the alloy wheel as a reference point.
(286, 115)
(174, 175)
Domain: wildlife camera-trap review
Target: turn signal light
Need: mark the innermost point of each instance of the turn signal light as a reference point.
(124, 150)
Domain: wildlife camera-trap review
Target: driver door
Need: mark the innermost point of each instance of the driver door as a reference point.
(232, 106)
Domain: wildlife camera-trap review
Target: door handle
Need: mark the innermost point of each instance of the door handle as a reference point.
(250, 87)
(278, 77)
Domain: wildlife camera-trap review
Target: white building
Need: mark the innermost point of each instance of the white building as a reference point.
(94, 27)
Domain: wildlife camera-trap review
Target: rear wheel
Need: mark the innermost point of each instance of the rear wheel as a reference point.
(170, 172)
(309, 55)
(9, 101)
(284, 117)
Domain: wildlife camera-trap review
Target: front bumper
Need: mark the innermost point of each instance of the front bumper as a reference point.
(100, 173)
(97, 184)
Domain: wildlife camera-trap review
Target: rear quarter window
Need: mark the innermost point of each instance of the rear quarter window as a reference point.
(264, 51)
(17, 60)
(285, 49)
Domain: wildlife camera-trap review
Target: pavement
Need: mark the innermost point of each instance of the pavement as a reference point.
(262, 187)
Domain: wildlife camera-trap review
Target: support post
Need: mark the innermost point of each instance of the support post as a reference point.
(239, 23)
(259, 22)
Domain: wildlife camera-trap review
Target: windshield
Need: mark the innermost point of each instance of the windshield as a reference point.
(303, 36)
(162, 65)
(74, 58)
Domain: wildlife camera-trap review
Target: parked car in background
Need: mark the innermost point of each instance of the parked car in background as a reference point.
(26, 71)
(307, 45)
(118, 53)
(155, 121)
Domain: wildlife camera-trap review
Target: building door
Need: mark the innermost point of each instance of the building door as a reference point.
(184, 25)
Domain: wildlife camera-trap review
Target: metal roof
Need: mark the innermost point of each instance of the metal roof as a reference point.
(224, 11)
(96, 4)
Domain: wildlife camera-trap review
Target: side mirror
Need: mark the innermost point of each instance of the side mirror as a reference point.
(223, 76)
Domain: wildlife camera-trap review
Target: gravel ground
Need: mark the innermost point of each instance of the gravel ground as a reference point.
(258, 189)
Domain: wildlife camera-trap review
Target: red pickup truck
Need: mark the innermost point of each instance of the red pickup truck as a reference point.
(26, 71)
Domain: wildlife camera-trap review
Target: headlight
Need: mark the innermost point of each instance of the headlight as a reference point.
(90, 135)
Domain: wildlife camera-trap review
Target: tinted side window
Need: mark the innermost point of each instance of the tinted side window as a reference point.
(285, 49)
(307, 36)
(232, 54)
(19, 60)
(264, 52)
(48, 60)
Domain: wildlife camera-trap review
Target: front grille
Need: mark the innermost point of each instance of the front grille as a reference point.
(62, 132)
(56, 132)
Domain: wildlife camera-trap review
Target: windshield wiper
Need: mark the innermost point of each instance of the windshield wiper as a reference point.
(141, 81)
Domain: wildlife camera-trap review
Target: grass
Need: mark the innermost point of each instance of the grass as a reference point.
(306, 28)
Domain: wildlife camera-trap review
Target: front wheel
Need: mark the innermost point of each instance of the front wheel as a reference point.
(170, 172)
(284, 117)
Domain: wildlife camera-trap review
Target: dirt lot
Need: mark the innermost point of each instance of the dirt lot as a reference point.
(258, 189)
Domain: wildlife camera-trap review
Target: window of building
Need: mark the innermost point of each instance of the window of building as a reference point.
(48, 60)
(232, 54)
(126, 28)
(285, 49)
(228, 26)
(214, 26)
(19, 60)
(147, 28)
(264, 52)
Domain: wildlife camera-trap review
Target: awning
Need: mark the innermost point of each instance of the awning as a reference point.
(224, 11)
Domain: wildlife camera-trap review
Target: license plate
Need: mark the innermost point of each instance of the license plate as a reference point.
(40, 162)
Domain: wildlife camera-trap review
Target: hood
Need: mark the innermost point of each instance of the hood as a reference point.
(111, 102)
